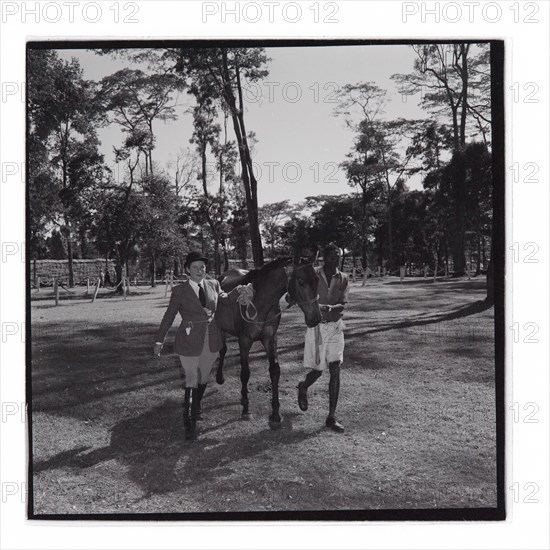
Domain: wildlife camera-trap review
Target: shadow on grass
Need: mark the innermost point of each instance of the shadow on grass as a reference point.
(160, 460)
(76, 364)
(459, 313)
(36, 301)
(473, 284)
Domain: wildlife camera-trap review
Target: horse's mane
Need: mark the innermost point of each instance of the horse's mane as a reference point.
(255, 274)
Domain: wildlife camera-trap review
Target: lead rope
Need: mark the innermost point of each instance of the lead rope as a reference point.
(318, 342)
(245, 301)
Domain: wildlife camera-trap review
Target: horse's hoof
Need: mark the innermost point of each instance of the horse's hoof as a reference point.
(220, 379)
(275, 424)
(246, 416)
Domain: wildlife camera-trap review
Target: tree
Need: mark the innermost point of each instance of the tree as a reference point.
(339, 220)
(271, 218)
(135, 100)
(160, 236)
(217, 73)
(120, 223)
(239, 232)
(43, 199)
(367, 101)
(206, 134)
(63, 117)
(452, 79)
(220, 72)
(297, 233)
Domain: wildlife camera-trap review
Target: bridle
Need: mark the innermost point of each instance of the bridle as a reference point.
(250, 319)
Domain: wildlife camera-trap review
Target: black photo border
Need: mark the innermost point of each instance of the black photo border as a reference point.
(497, 513)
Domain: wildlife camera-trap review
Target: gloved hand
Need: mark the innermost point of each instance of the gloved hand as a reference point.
(246, 294)
(209, 313)
(157, 349)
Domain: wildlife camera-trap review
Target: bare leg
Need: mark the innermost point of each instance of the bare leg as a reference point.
(333, 391)
(310, 378)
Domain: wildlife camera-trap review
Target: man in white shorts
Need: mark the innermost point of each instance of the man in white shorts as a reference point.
(324, 345)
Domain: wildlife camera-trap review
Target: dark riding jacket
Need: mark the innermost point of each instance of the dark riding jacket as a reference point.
(192, 330)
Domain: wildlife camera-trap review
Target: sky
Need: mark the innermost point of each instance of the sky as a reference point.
(300, 141)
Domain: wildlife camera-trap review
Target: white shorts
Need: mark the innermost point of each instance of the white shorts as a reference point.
(331, 346)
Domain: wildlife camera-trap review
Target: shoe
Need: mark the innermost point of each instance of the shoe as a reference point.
(302, 397)
(334, 425)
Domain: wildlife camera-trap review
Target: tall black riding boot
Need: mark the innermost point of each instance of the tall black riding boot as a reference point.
(333, 391)
(202, 389)
(186, 407)
(191, 433)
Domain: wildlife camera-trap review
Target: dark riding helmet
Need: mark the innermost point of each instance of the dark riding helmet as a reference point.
(195, 256)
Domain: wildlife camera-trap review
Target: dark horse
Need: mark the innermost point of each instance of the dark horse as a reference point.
(270, 283)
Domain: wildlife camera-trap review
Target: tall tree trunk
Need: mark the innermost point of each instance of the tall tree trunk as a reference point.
(478, 262)
(363, 226)
(64, 176)
(490, 299)
(152, 270)
(70, 255)
(459, 229)
(390, 238)
(119, 262)
(216, 255)
(459, 191)
(464, 107)
(249, 181)
(225, 255)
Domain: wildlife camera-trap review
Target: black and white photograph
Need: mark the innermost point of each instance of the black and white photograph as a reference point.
(265, 279)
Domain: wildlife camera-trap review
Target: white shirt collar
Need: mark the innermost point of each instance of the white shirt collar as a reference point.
(195, 286)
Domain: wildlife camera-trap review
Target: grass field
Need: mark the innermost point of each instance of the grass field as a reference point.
(417, 401)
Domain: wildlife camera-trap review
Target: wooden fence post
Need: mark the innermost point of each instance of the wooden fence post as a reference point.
(38, 284)
(87, 285)
(96, 289)
(56, 290)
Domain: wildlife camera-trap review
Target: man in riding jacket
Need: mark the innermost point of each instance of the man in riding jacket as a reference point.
(324, 344)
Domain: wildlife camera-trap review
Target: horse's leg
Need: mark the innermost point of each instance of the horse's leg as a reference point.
(270, 346)
(244, 347)
(219, 372)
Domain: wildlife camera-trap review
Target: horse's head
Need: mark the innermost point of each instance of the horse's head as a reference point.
(302, 290)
